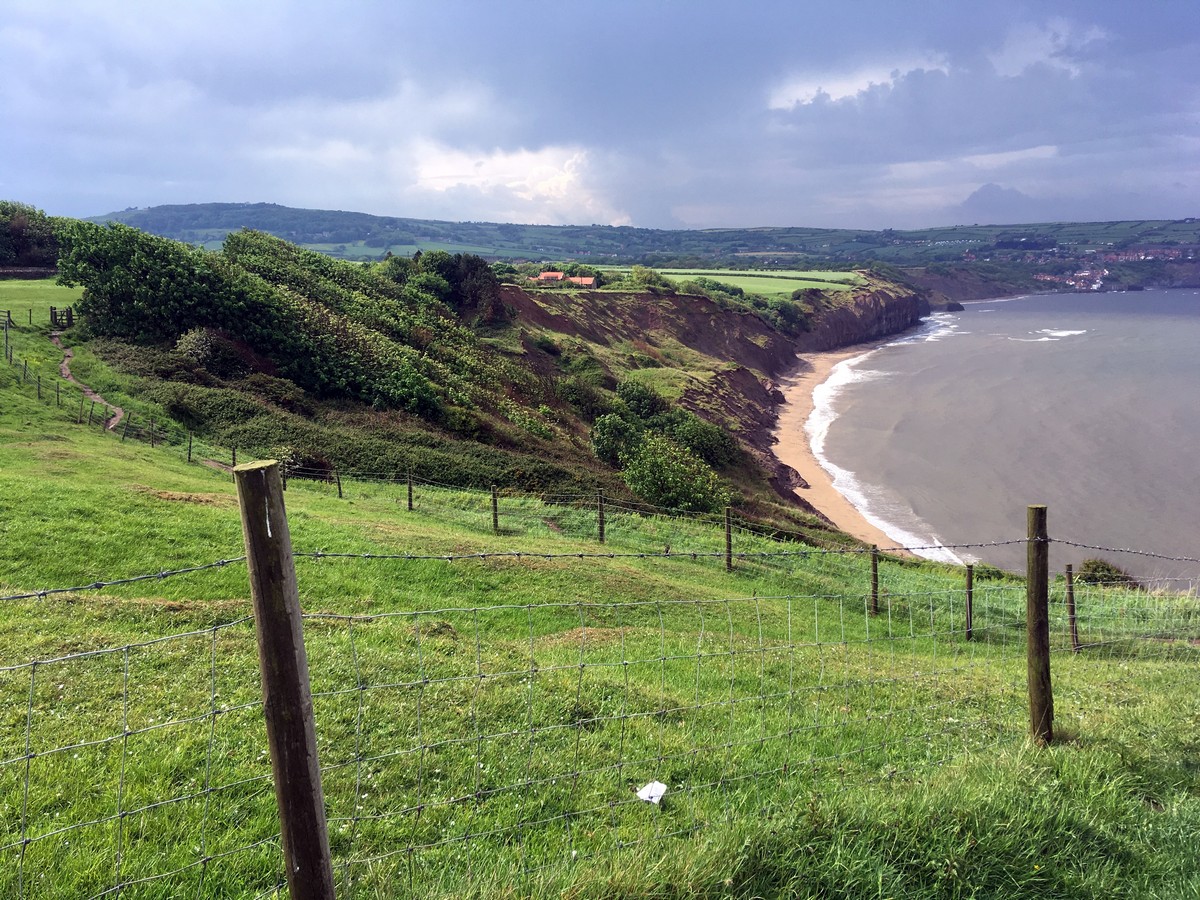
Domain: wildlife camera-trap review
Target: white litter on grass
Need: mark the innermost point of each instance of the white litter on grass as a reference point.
(653, 792)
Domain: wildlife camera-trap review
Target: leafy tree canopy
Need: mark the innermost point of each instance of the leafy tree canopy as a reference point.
(26, 236)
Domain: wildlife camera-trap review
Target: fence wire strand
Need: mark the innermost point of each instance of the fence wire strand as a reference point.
(508, 741)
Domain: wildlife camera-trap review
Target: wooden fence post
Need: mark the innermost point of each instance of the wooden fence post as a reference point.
(287, 694)
(970, 602)
(1037, 628)
(233, 450)
(189, 446)
(57, 394)
(1071, 619)
(91, 409)
(79, 419)
(39, 387)
(728, 539)
(125, 430)
(409, 479)
(495, 510)
(874, 580)
(338, 477)
(600, 514)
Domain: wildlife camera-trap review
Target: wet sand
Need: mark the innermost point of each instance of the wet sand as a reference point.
(792, 446)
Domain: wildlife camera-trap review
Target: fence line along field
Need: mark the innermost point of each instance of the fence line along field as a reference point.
(490, 695)
(477, 748)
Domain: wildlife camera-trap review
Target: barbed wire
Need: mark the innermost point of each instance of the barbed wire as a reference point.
(837, 699)
(100, 585)
(1145, 553)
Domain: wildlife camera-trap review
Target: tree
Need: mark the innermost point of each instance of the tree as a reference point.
(26, 236)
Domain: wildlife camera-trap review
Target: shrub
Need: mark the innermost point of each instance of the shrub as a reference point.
(1102, 572)
(587, 399)
(614, 438)
(665, 474)
(712, 444)
(642, 401)
(213, 351)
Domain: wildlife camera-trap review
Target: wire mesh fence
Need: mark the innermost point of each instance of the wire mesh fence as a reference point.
(507, 743)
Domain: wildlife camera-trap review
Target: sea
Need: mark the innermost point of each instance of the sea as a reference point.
(1088, 403)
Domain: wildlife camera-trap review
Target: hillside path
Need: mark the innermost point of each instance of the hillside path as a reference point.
(64, 369)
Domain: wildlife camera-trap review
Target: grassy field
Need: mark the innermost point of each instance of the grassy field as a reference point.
(771, 283)
(487, 703)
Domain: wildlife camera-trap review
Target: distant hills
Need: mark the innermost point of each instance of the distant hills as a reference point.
(360, 236)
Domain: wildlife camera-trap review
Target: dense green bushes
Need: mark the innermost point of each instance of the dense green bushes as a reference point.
(385, 335)
(668, 455)
(667, 475)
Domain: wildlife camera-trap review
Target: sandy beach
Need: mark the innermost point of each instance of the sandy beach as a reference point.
(792, 447)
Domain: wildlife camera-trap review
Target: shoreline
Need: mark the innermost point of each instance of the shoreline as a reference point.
(792, 448)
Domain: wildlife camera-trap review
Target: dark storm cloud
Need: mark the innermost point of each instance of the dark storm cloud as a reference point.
(667, 113)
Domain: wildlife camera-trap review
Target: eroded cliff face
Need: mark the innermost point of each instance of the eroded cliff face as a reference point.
(733, 358)
(868, 317)
(752, 402)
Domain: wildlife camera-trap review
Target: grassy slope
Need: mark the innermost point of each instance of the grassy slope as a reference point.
(884, 767)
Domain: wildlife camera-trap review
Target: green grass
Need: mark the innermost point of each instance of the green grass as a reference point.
(483, 722)
(781, 274)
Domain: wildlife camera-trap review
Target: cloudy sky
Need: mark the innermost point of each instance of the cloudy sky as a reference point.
(657, 113)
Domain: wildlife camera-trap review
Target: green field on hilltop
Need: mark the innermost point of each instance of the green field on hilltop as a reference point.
(488, 700)
(771, 283)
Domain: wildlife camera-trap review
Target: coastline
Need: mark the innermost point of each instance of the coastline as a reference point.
(792, 445)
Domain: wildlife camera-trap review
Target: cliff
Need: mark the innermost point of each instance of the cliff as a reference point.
(753, 402)
(722, 363)
(868, 317)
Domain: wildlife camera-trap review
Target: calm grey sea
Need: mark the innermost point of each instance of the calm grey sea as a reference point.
(1089, 403)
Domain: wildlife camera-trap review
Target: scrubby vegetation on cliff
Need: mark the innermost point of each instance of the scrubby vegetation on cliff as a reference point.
(433, 365)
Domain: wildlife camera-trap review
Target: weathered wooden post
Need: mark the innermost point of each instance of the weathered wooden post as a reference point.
(1071, 620)
(25, 372)
(233, 451)
(189, 446)
(79, 418)
(338, 477)
(39, 387)
(287, 694)
(409, 479)
(1037, 628)
(970, 602)
(57, 394)
(125, 430)
(728, 539)
(91, 409)
(495, 510)
(874, 580)
(600, 514)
